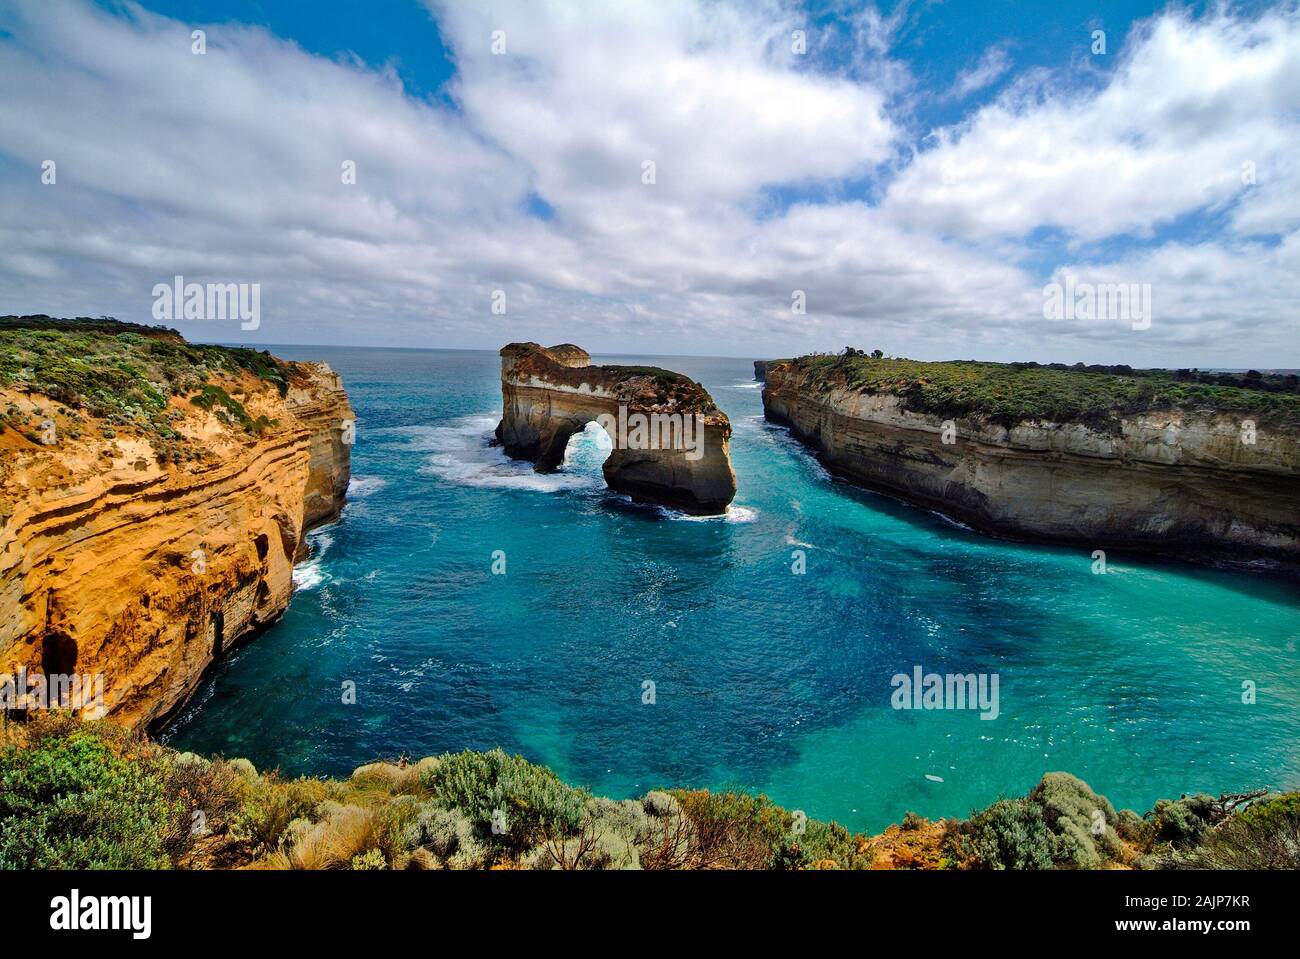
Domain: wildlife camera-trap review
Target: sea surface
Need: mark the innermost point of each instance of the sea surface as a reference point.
(764, 680)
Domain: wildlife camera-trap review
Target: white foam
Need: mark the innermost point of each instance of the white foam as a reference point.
(734, 514)
(311, 573)
(948, 519)
(361, 486)
(461, 455)
(307, 576)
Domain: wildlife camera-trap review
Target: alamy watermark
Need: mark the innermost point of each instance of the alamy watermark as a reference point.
(72, 691)
(655, 431)
(209, 301)
(75, 912)
(1128, 302)
(922, 690)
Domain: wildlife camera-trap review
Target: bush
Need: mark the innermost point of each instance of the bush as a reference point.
(206, 797)
(1010, 834)
(450, 836)
(271, 805)
(823, 845)
(1081, 822)
(1182, 823)
(1133, 829)
(1265, 835)
(73, 803)
(734, 830)
(531, 801)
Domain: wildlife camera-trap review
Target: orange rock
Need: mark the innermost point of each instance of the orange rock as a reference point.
(113, 563)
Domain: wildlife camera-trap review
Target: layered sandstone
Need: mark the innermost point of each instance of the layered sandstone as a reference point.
(1174, 482)
(550, 394)
(115, 560)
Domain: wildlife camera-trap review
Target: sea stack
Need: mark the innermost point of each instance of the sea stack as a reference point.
(671, 442)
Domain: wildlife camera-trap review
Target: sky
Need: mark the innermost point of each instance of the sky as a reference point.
(759, 178)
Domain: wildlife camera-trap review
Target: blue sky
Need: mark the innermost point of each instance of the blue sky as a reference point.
(919, 174)
(396, 34)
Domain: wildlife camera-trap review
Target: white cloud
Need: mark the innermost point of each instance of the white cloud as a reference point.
(226, 167)
(1188, 104)
(988, 70)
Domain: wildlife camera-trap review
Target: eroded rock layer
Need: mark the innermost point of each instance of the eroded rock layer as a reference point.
(550, 394)
(114, 561)
(1172, 482)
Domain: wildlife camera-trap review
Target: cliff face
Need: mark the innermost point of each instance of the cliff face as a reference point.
(118, 560)
(1173, 482)
(681, 458)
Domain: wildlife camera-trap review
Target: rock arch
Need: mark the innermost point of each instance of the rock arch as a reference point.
(681, 457)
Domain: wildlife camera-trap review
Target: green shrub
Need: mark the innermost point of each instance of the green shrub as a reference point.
(370, 859)
(534, 804)
(72, 803)
(822, 842)
(606, 838)
(271, 805)
(734, 830)
(1081, 822)
(1010, 834)
(1182, 823)
(1265, 835)
(1132, 828)
(450, 836)
(206, 797)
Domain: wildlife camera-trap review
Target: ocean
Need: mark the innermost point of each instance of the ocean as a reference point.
(764, 679)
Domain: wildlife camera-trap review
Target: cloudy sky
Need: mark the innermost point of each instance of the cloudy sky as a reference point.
(920, 171)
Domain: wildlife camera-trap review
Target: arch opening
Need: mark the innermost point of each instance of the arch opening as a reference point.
(586, 450)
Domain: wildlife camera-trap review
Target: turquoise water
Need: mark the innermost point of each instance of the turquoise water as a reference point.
(764, 680)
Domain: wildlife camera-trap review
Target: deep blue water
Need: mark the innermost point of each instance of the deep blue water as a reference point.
(764, 680)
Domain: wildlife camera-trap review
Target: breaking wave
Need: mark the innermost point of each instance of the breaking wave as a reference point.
(460, 454)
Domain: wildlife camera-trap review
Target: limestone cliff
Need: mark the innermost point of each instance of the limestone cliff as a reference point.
(1179, 481)
(147, 533)
(681, 460)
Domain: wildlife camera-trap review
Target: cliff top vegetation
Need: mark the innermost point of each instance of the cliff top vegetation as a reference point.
(124, 375)
(645, 387)
(1010, 393)
(92, 795)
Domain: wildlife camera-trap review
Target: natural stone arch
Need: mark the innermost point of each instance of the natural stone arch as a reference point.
(548, 395)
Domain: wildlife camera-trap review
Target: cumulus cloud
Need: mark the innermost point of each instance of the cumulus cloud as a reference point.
(1190, 102)
(226, 167)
